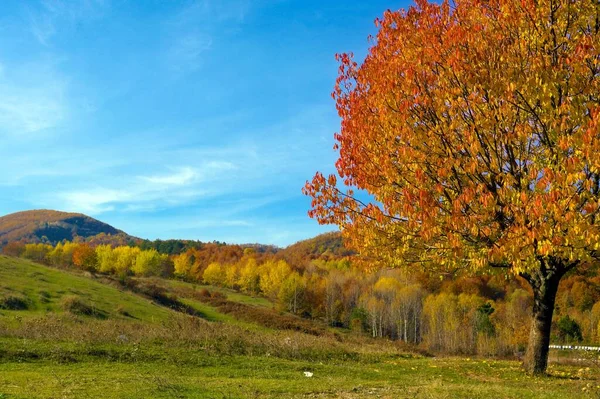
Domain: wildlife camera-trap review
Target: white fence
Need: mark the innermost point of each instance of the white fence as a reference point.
(576, 347)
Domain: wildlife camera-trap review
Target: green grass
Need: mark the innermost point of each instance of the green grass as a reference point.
(46, 352)
(44, 288)
(232, 295)
(210, 313)
(210, 376)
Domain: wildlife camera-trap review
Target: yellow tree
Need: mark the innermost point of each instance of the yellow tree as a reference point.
(473, 125)
(272, 276)
(107, 258)
(67, 253)
(37, 252)
(214, 274)
(291, 295)
(152, 263)
(249, 280)
(55, 255)
(125, 259)
(182, 264)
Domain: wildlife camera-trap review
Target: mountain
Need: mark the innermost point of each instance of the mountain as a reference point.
(52, 226)
(324, 246)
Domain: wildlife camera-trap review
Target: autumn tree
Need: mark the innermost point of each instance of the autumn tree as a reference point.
(37, 252)
(125, 259)
(409, 306)
(85, 257)
(473, 125)
(107, 258)
(67, 253)
(182, 264)
(249, 280)
(214, 274)
(14, 248)
(55, 256)
(232, 275)
(152, 263)
(273, 274)
(292, 293)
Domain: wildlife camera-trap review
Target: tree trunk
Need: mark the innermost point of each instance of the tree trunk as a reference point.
(544, 285)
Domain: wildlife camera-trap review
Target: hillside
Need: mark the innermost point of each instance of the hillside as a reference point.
(63, 334)
(28, 289)
(324, 246)
(51, 226)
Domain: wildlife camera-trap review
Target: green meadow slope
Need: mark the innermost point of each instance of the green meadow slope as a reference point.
(69, 335)
(28, 289)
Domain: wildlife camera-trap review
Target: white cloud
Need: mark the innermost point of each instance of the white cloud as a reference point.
(148, 192)
(32, 98)
(42, 27)
(209, 12)
(51, 16)
(188, 175)
(191, 32)
(96, 201)
(26, 110)
(184, 176)
(186, 52)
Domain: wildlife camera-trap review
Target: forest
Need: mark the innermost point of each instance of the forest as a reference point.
(485, 315)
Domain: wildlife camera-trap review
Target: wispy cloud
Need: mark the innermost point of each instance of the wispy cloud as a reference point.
(191, 32)
(185, 54)
(47, 19)
(97, 200)
(43, 28)
(184, 176)
(211, 12)
(32, 98)
(148, 192)
(94, 201)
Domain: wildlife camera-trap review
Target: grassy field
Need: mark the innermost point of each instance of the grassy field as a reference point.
(154, 352)
(200, 375)
(42, 290)
(231, 294)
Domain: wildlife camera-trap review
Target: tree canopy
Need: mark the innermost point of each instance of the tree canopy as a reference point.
(473, 125)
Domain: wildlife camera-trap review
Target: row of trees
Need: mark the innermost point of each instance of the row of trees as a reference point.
(465, 315)
(488, 315)
(121, 261)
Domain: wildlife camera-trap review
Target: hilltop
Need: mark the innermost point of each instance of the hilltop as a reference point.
(323, 246)
(52, 226)
(49, 226)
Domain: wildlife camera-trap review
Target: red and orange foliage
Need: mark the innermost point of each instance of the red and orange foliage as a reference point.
(443, 315)
(324, 247)
(84, 257)
(14, 248)
(474, 127)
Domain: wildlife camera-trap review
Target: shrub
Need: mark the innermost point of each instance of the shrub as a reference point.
(122, 310)
(218, 295)
(44, 296)
(13, 302)
(75, 305)
(569, 330)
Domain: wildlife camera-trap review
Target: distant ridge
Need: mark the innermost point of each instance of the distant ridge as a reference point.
(50, 226)
(324, 246)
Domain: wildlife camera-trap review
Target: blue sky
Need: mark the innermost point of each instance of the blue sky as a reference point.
(174, 119)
